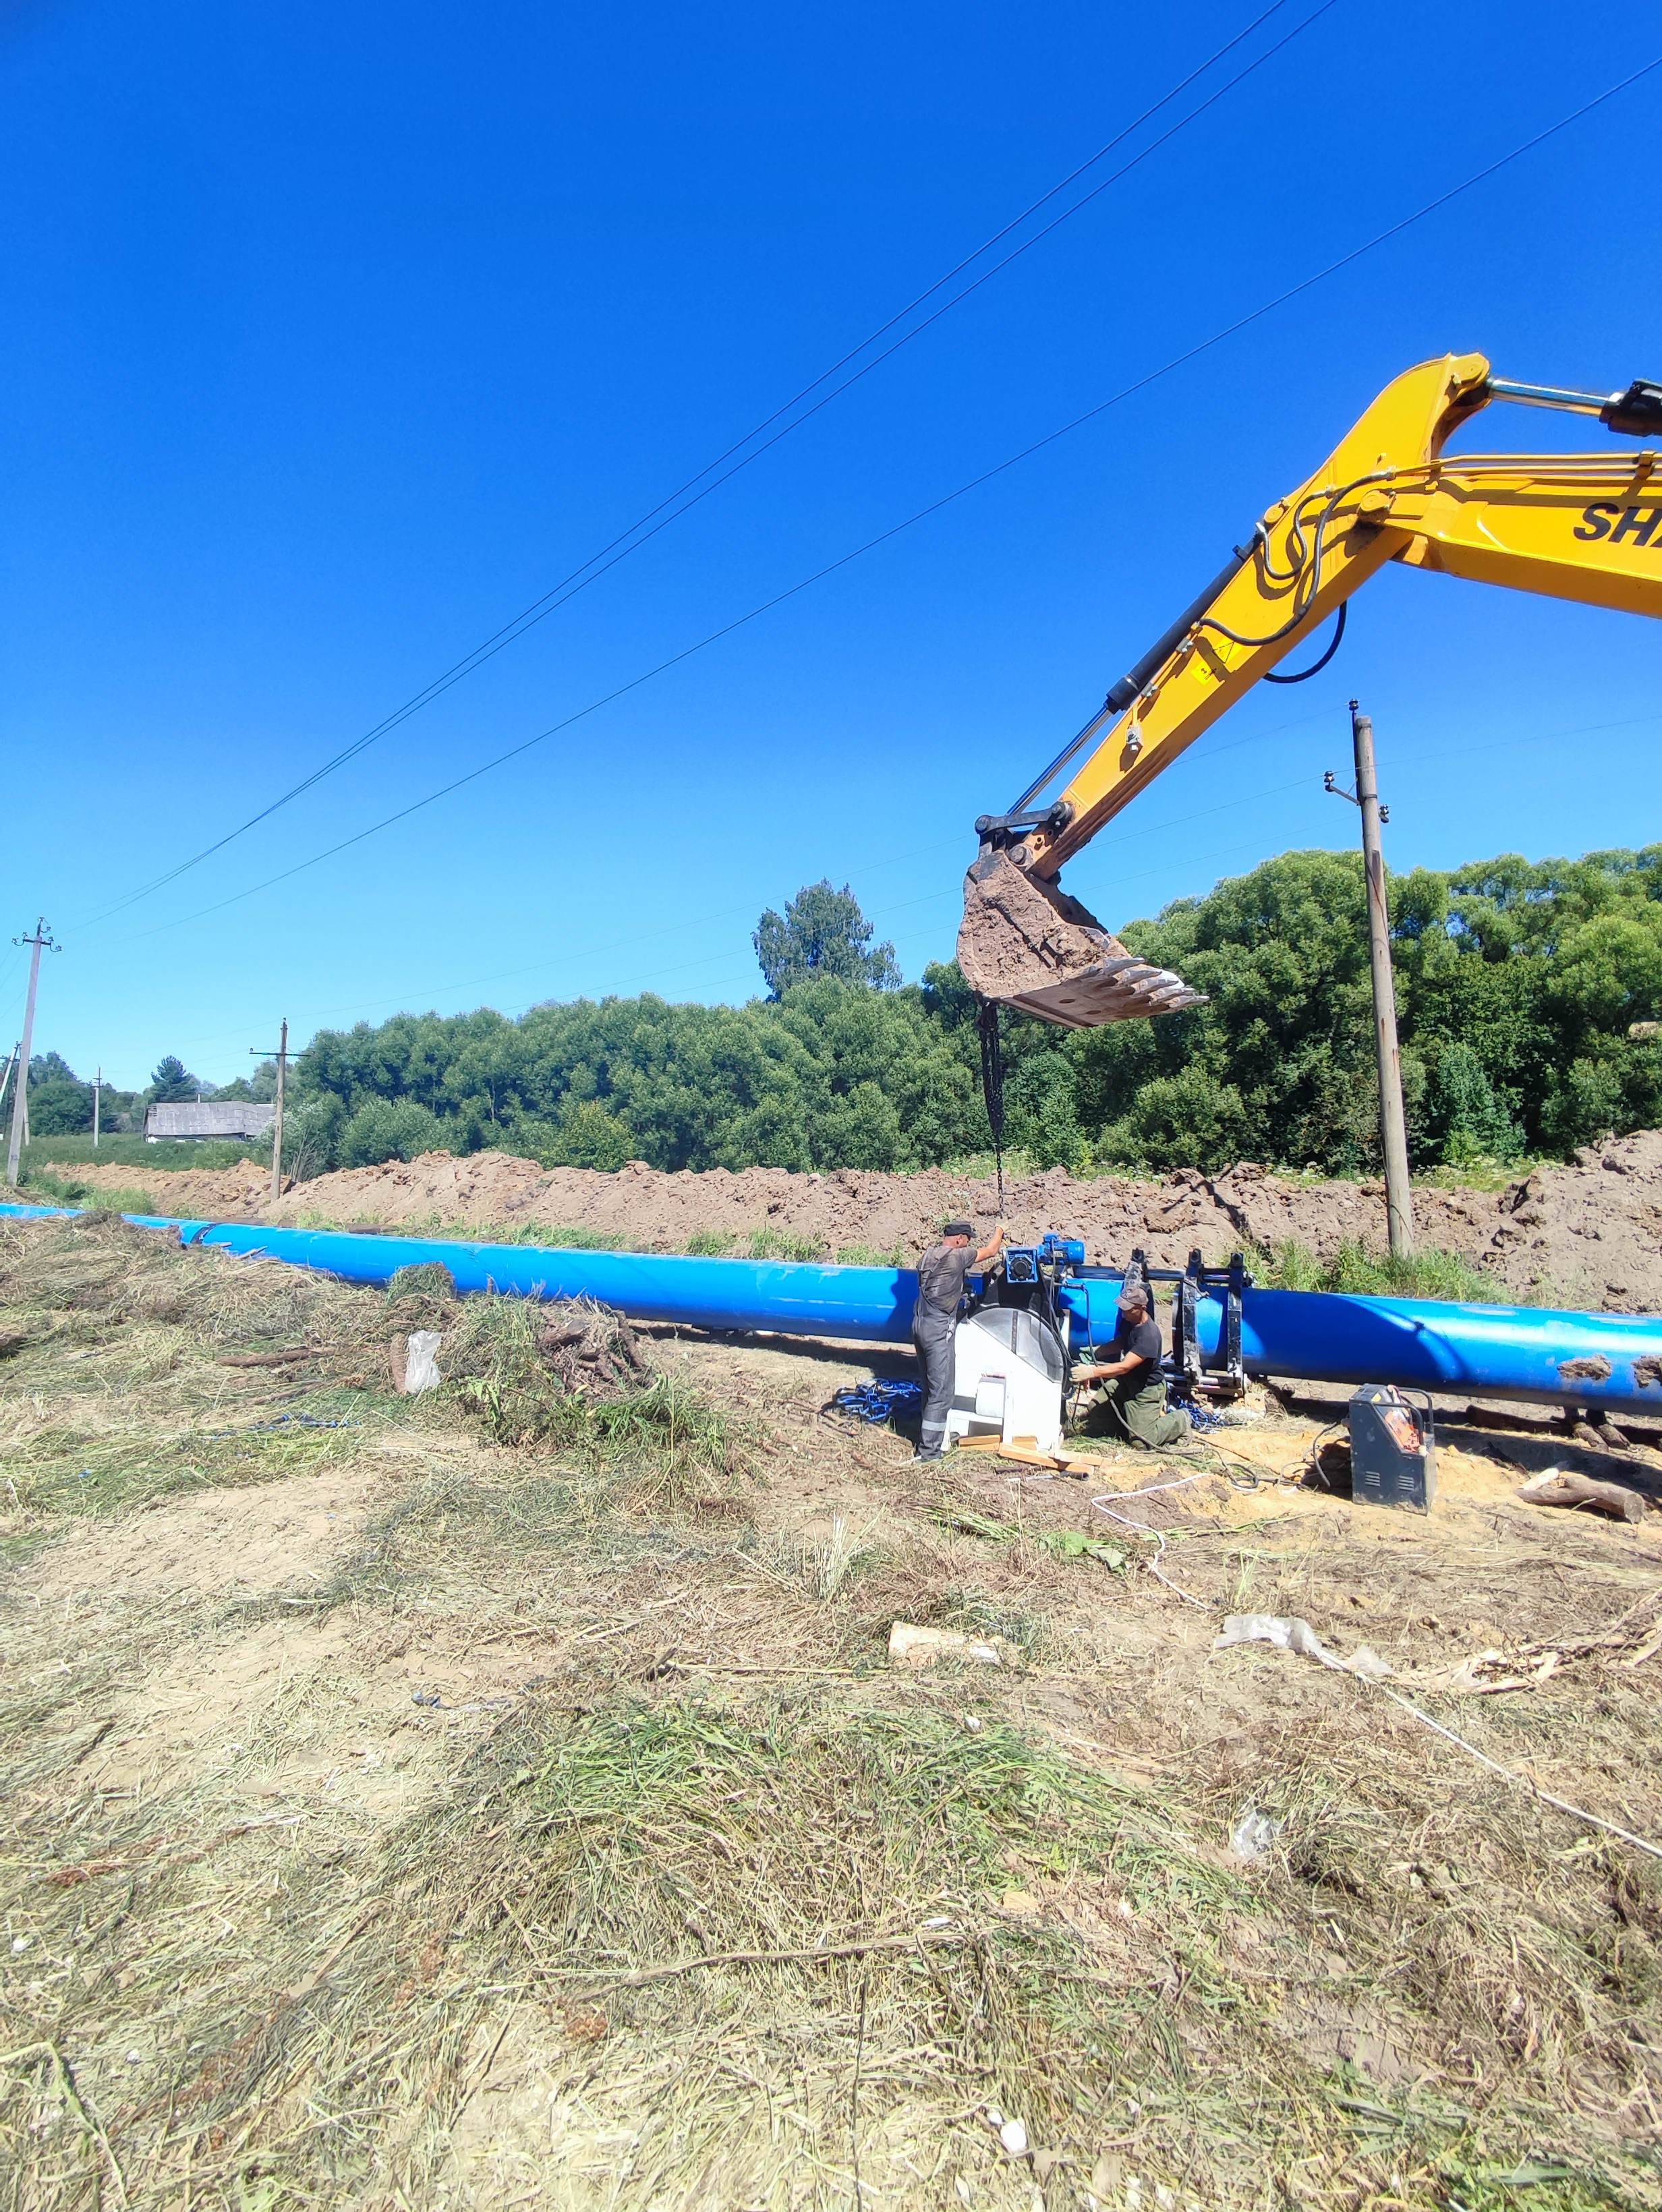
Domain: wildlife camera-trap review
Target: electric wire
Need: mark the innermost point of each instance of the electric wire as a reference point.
(203, 1045)
(639, 533)
(987, 476)
(1101, 1505)
(908, 859)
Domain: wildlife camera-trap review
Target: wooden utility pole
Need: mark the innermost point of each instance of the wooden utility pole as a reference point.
(277, 1127)
(20, 1113)
(1393, 1128)
(281, 1056)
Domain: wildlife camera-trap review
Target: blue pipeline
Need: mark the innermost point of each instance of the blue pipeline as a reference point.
(1609, 1363)
(872, 1304)
(1489, 1351)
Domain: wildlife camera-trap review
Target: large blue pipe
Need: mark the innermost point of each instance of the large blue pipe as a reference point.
(1607, 1362)
(872, 1304)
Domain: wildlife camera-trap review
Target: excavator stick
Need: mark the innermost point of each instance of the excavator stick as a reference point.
(1025, 944)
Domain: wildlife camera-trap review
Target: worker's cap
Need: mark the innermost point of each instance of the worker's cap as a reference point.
(1134, 1299)
(957, 1229)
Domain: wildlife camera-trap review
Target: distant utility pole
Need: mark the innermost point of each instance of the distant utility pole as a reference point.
(1393, 1128)
(20, 1111)
(282, 1058)
(98, 1100)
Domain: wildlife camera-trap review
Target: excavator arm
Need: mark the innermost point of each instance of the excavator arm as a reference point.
(1574, 527)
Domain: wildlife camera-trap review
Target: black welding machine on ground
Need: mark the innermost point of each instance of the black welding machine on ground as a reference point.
(1393, 1447)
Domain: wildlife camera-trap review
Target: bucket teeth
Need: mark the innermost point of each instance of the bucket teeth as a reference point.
(1029, 945)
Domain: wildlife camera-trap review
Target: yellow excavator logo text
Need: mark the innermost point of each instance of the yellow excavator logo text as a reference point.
(1643, 526)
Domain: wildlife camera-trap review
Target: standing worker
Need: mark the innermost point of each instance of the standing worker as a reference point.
(1132, 1405)
(940, 1275)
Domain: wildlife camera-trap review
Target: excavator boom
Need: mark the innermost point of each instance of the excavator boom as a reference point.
(1584, 526)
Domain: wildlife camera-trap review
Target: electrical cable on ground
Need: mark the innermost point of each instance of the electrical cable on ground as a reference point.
(1523, 1781)
(686, 495)
(779, 598)
(1507, 1773)
(1101, 1505)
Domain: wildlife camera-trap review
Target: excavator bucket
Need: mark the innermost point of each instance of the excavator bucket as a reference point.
(1027, 943)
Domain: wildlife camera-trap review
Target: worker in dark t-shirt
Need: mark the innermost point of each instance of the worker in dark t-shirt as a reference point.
(1130, 1404)
(940, 1274)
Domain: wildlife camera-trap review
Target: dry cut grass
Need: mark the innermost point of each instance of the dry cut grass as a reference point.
(702, 1904)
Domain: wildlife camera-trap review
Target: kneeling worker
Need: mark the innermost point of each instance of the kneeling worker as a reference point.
(940, 1275)
(1132, 1404)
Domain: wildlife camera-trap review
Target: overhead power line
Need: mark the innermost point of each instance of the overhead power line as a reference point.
(729, 464)
(432, 992)
(947, 499)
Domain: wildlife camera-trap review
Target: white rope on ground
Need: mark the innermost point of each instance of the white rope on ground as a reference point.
(1507, 1773)
(1300, 1636)
(1101, 1505)
(1525, 1781)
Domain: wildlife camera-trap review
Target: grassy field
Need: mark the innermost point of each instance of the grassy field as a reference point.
(167, 1153)
(504, 1796)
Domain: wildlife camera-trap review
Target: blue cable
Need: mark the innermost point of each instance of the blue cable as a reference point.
(877, 1401)
(300, 1420)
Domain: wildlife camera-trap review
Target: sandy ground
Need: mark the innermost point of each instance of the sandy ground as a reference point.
(1588, 1234)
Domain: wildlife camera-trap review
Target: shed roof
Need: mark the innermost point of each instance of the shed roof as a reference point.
(209, 1117)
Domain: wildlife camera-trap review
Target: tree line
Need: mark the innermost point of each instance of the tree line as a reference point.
(61, 1102)
(1519, 984)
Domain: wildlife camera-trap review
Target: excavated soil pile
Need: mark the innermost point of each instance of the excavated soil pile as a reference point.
(1589, 1234)
(233, 1194)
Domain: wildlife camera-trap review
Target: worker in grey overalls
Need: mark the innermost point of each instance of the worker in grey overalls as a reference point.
(940, 1274)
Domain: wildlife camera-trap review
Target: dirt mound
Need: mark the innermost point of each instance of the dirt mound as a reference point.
(234, 1193)
(1589, 1234)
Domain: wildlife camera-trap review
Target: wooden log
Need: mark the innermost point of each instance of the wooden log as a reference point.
(1577, 1489)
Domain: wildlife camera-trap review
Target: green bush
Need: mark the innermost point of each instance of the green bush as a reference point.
(1190, 1120)
(1359, 1272)
(61, 1108)
(390, 1129)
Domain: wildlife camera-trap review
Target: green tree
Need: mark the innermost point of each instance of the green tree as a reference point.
(587, 1135)
(821, 933)
(390, 1129)
(60, 1107)
(1467, 1118)
(1041, 1114)
(171, 1083)
(1516, 984)
(1189, 1119)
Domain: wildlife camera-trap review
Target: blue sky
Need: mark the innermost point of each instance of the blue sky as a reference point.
(334, 337)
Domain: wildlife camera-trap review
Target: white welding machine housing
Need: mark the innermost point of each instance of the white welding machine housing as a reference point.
(1008, 1380)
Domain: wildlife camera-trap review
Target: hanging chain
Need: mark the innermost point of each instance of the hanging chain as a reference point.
(992, 1084)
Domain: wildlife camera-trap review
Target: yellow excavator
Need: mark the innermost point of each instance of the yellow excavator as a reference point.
(1583, 527)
